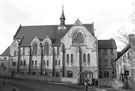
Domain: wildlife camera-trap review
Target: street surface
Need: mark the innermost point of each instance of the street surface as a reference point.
(34, 85)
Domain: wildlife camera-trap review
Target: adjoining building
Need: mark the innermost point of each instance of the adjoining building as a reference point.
(4, 62)
(107, 54)
(125, 63)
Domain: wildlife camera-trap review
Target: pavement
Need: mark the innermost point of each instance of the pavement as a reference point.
(11, 88)
(5, 87)
(111, 89)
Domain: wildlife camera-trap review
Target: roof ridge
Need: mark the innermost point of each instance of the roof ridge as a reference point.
(51, 25)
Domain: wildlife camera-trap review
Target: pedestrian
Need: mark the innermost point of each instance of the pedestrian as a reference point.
(86, 84)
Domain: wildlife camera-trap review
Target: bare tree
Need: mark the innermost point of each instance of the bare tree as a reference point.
(122, 35)
(132, 15)
(122, 32)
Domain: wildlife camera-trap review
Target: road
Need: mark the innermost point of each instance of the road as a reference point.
(34, 85)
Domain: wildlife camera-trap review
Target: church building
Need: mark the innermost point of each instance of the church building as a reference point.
(63, 50)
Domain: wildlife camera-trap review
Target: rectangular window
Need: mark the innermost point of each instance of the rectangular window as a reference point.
(105, 51)
(24, 62)
(100, 74)
(106, 74)
(13, 63)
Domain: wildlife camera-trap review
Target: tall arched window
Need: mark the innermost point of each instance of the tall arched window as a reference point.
(84, 57)
(55, 62)
(59, 62)
(88, 58)
(47, 63)
(71, 58)
(35, 48)
(67, 59)
(46, 48)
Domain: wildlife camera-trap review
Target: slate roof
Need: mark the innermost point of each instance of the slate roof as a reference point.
(27, 33)
(125, 49)
(6, 52)
(107, 44)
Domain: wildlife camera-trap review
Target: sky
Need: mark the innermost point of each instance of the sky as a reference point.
(107, 15)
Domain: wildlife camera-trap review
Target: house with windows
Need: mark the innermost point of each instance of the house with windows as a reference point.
(125, 63)
(107, 54)
(4, 62)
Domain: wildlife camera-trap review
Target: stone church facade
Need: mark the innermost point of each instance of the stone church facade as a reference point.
(62, 50)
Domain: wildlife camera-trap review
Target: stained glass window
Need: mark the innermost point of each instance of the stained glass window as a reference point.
(77, 37)
(35, 48)
(46, 48)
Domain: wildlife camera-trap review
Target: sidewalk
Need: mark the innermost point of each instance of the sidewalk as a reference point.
(5, 87)
(111, 89)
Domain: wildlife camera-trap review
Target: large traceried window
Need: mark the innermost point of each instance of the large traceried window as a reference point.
(35, 48)
(46, 48)
(77, 38)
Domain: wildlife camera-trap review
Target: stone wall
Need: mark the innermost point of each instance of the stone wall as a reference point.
(48, 79)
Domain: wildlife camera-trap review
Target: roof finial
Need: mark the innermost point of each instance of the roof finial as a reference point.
(62, 18)
(62, 6)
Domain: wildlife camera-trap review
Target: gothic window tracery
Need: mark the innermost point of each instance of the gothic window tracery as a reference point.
(35, 48)
(46, 48)
(78, 37)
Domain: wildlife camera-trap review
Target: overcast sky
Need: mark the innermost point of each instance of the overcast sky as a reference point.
(107, 15)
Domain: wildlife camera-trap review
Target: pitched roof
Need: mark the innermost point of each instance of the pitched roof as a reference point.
(107, 44)
(124, 50)
(6, 52)
(27, 33)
